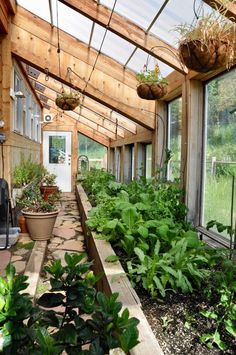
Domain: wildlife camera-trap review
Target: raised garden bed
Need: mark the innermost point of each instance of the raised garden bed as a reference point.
(115, 280)
(175, 321)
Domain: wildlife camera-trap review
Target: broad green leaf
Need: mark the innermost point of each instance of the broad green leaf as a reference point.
(192, 239)
(230, 327)
(49, 300)
(129, 216)
(159, 286)
(112, 258)
(140, 254)
(128, 339)
(143, 231)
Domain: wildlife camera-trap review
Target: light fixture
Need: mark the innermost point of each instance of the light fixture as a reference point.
(2, 123)
(19, 94)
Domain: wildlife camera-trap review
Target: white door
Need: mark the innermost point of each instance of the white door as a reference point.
(57, 157)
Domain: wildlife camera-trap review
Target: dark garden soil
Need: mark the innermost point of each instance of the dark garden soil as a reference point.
(177, 324)
(176, 321)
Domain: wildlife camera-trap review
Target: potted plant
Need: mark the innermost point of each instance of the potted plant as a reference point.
(40, 215)
(48, 185)
(208, 44)
(67, 101)
(152, 86)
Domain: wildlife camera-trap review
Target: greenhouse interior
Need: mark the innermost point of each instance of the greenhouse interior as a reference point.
(117, 177)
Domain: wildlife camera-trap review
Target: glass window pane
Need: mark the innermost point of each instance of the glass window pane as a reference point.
(95, 152)
(220, 149)
(57, 149)
(148, 161)
(174, 138)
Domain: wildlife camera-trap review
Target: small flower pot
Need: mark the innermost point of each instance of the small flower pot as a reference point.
(206, 56)
(151, 91)
(48, 190)
(40, 224)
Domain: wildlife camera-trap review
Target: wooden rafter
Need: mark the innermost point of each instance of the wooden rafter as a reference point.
(128, 30)
(229, 8)
(37, 45)
(92, 105)
(94, 112)
(83, 117)
(83, 128)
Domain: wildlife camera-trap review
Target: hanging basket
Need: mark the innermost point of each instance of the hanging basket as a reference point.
(206, 56)
(67, 102)
(151, 91)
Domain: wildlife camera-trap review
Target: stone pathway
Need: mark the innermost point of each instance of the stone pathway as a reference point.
(67, 237)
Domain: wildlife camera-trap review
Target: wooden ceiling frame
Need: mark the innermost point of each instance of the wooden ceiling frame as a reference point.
(229, 9)
(35, 42)
(80, 116)
(128, 30)
(81, 128)
(55, 89)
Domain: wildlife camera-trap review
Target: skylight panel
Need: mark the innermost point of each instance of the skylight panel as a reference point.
(113, 45)
(140, 58)
(141, 12)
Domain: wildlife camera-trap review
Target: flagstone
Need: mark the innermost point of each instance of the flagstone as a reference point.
(72, 245)
(16, 258)
(20, 266)
(64, 232)
(21, 252)
(56, 240)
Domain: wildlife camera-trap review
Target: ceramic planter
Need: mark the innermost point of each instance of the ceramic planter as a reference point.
(40, 224)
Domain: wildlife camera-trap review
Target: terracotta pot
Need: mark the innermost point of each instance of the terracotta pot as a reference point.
(40, 225)
(22, 224)
(150, 91)
(204, 57)
(48, 190)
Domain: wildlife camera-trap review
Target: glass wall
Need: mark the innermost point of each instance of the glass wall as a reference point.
(219, 149)
(95, 152)
(174, 138)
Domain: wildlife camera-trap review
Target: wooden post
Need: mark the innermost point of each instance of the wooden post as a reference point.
(194, 148)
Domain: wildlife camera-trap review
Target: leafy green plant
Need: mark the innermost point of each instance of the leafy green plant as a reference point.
(33, 201)
(151, 76)
(222, 313)
(49, 179)
(74, 314)
(26, 172)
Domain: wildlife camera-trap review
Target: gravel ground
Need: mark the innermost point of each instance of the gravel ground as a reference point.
(177, 325)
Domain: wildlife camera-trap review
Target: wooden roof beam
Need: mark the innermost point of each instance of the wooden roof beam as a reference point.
(38, 51)
(128, 30)
(82, 128)
(77, 116)
(229, 8)
(87, 112)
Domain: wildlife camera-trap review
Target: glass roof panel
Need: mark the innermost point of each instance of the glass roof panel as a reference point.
(141, 12)
(140, 58)
(113, 46)
(72, 22)
(39, 8)
(69, 20)
(175, 13)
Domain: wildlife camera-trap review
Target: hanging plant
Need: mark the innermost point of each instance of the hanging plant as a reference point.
(67, 101)
(208, 44)
(152, 86)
